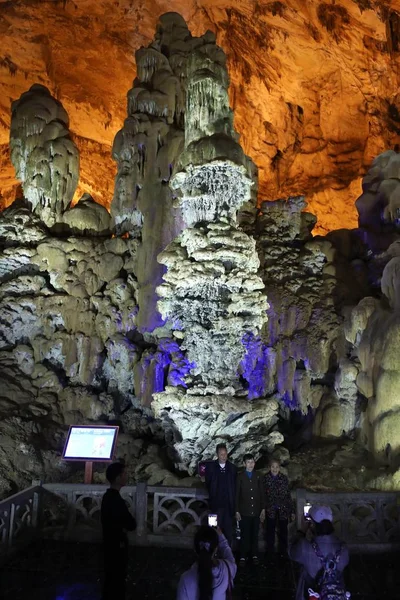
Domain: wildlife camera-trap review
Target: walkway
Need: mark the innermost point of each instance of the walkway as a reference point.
(70, 571)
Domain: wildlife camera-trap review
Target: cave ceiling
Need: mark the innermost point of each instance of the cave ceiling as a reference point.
(314, 85)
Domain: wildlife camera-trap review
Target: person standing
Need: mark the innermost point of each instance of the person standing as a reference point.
(250, 501)
(116, 520)
(221, 486)
(279, 507)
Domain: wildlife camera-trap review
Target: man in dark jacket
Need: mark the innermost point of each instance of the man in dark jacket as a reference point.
(302, 551)
(116, 520)
(221, 486)
(250, 502)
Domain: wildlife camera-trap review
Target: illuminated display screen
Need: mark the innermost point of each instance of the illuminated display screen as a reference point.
(90, 443)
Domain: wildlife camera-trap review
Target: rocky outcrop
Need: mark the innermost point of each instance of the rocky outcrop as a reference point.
(379, 205)
(45, 158)
(67, 309)
(373, 329)
(87, 218)
(295, 355)
(146, 149)
(211, 292)
(195, 424)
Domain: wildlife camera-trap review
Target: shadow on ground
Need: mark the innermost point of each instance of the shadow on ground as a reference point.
(70, 571)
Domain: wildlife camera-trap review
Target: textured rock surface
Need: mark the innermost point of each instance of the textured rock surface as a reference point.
(379, 204)
(66, 353)
(45, 158)
(145, 150)
(211, 292)
(299, 344)
(376, 346)
(80, 339)
(242, 423)
(314, 85)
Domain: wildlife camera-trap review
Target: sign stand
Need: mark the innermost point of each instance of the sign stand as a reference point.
(88, 471)
(89, 444)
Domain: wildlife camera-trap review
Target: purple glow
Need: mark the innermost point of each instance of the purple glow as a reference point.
(168, 365)
(289, 400)
(162, 361)
(179, 367)
(256, 366)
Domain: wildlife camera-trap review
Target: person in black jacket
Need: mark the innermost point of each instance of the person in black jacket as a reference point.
(116, 520)
(250, 503)
(221, 486)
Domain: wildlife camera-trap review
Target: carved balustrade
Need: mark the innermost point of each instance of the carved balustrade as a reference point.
(367, 521)
(168, 516)
(18, 518)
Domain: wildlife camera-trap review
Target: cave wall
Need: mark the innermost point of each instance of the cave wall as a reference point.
(71, 346)
(314, 85)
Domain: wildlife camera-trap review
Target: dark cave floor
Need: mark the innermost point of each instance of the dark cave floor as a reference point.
(71, 571)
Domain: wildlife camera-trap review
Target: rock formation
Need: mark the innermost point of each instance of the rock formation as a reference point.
(297, 350)
(372, 329)
(370, 326)
(146, 150)
(314, 85)
(379, 204)
(45, 158)
(211, 292)
(82, 339)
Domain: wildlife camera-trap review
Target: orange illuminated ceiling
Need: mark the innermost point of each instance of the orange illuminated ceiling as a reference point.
(314, 85)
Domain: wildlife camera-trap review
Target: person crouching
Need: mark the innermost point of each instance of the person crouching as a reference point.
(249, 508)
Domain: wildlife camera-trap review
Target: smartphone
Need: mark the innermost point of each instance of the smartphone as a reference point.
(306, 510)
(212, 521)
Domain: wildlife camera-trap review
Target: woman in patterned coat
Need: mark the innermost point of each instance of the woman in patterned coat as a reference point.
(279, 507)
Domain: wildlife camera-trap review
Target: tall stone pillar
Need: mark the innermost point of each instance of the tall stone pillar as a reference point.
(211, 292)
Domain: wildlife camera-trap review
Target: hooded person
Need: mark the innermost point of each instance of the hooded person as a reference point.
(315, 541)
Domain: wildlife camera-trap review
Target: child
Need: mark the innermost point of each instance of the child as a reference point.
(279, 507)
(249, 509)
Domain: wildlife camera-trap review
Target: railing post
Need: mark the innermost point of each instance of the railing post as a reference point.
(141, 510)
(11, 525)
(5, 535)
(36, 504)
(300, 502)
(71, 519)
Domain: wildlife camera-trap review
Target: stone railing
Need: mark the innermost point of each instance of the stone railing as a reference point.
(18, 518)
(368, 521)
(164, 516)
(168, 516)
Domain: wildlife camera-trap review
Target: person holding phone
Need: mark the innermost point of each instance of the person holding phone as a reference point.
(221, 486)
(316, 541)
(209, 578)
(250, 503)
(213, 520)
